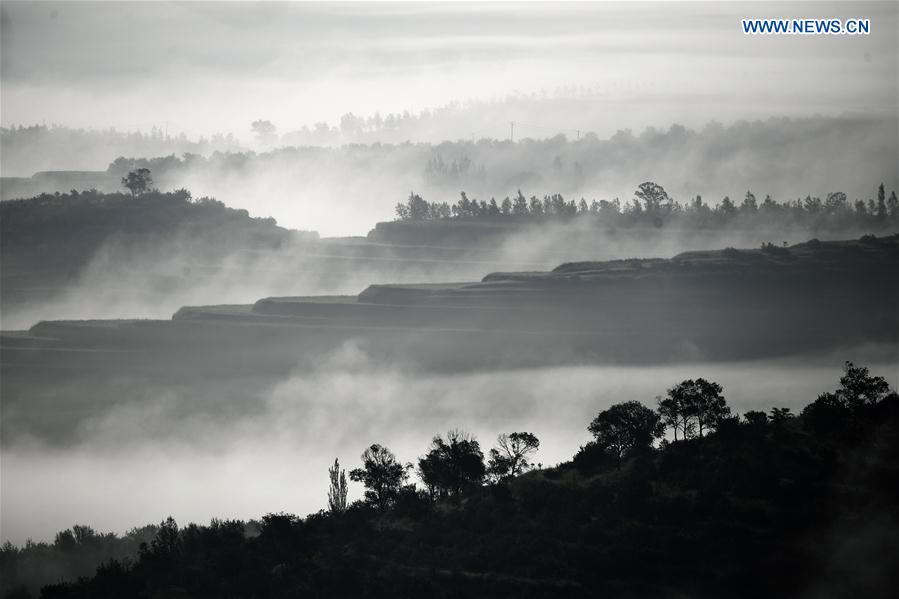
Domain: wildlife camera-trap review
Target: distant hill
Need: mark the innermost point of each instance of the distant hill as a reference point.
(89, 217)
(713, 305)
(48, 240)
(785, 157)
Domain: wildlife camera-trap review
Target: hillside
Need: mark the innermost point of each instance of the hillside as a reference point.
(714, 305)
(88, 218)
(699, 307)
(773, 506)
(47, 241)
(94, 255)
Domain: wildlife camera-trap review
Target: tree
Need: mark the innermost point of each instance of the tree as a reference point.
(750, 205)
(653, 196)
(338, 489)
(705, 404)
(779, 415)
(726, 207)
(893, 205)
(625, 428)
(673, 413)
(840, 411)
(415, 208)
(83, 533)
(452, 465)
(881, 211)
(698, 404)
(167, 543)
(381, 474)
(835, 202)
(138, 181)
(858, 388)
(511, 456)
(520, 205)
(755, 418)
(264, 131)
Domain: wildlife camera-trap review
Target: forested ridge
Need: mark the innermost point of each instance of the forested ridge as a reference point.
(91, 216)
(758, 504)
(652, 205)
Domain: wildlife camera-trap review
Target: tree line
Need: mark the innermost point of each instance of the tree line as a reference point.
(652, 204)
(691, 409)
(764, 479)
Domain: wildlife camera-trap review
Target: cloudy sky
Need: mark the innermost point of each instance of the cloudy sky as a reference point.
(209, 67)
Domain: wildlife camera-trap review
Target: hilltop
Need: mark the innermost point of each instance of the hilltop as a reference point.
(47, 241)
(765, 505)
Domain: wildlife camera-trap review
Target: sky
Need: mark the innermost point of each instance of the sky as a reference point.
(205, 67)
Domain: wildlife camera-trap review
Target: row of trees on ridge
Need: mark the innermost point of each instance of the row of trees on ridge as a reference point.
(690, 409)
(653, 202)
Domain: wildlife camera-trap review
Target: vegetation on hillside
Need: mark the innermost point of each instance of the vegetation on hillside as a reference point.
(653, 206)
(766, 504)
(91, 217)
(31, 148)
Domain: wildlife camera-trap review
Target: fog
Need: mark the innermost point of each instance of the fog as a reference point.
(252, 446)
(300, 64)
(346, 190)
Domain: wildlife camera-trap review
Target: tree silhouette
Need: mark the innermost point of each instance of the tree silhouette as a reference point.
(705, 404)
(511, 456)
(700, 405)
(338, 489)
(138, 181)
(382, 475)
(881, 210)
(673, 413)
(750, 205)
(858, 388)
(452, 465)
(727, 207)
(520, 205)
(779, 415)
(755, 418)
(653, 196)
(167, 544)
(843, 410)
(415, 208)
(626, 427)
